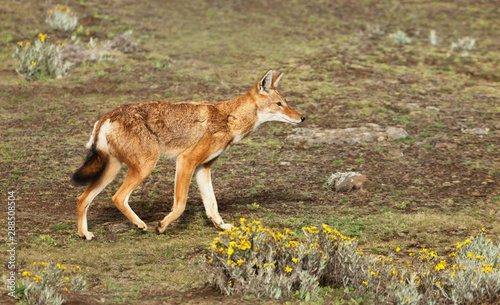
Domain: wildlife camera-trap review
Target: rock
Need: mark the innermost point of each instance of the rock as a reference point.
(358, 181)
(118, 228)
(354, 135)
(368, 185)
(476, 131)
(373, 126)
(395, 153)
(303, 131)
(412, 106)
(432, 108)
(346, 181)
(447, 146)
(394, 133)
(285, 163)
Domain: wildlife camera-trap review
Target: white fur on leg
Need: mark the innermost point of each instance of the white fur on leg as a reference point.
(209, 201)
(141, 225)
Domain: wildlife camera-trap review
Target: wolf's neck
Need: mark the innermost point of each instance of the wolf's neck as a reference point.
(242, 115)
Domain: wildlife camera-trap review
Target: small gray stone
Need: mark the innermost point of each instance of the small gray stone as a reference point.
(346, 181)
(303, 131)
(118, 228)
(373, 126)
(447, 146)
(395, 153)
(394, 133)
(476, 131)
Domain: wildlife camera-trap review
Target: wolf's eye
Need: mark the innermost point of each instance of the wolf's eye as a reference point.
(278, 103)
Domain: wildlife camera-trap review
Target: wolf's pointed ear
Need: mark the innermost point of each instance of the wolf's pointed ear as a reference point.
(265, 83)
(276, 80)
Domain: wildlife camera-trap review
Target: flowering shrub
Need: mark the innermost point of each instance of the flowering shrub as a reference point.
(266, 262)
(43, 57)
(60, 18)
(42, 281)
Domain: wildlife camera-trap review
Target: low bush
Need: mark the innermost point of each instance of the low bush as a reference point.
(250, 259)
(42, 283)
(60, 18)
(43, 57)
(400, 38)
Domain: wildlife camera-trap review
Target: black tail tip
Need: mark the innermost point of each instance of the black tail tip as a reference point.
(79, 180)
(92, 168)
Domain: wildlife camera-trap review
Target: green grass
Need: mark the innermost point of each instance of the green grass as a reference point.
(216, 51)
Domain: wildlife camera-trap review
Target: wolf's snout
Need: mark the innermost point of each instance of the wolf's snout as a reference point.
(303, 118)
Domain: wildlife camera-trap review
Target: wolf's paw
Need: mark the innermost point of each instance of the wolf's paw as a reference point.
(225, 226)
(159, 228)
(142, 226)
(88, 236)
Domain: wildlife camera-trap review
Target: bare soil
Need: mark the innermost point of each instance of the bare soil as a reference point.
(429, 197)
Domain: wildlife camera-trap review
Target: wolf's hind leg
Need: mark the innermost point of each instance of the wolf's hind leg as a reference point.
(185, 167)
(93, 189)
(136, 174)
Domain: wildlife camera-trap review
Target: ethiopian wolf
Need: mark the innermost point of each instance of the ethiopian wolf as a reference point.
(193, 133)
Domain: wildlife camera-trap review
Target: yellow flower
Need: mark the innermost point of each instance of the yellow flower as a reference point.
(397, 249)
(50, 11)
(294, 260)
(20, 43)
(42, 37)
(365, 283)
(33, 63)
(66, 288)
(28, 44)
(288, 269)
(67, 10)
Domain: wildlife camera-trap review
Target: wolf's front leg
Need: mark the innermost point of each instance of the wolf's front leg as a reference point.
(203, 177)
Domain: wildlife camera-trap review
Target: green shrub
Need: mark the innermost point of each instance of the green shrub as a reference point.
(43, 57)
(250, 259)
(60, 18)
(400, 38)
(42, 282)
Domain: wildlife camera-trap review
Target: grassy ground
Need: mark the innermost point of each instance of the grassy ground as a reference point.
(338, 72)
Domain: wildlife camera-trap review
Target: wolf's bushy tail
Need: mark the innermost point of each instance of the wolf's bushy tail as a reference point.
(93, 167)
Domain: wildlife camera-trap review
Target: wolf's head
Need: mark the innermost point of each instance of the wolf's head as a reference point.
(271, 106)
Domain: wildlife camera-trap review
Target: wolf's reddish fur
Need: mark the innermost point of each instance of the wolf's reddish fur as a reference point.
(194, 133)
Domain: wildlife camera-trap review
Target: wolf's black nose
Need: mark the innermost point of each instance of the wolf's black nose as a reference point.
(303, 118)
